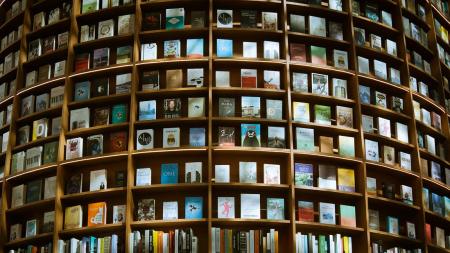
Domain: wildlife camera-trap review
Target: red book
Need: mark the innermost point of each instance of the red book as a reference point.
(428, 232)
(118, 142)
(298, 52)
(248, 78)
(306, 211)
(82, 62)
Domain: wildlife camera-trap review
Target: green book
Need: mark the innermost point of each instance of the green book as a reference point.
(346, 146)
(322, 244)
(347, 216)
(89, 6)
(175, 18)
(305, 139)
(318, 55)
(34, 190)
(119, 113)
(322, 114)
(50, 152)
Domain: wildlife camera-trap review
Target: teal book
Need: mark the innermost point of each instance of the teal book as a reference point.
(251, 135)
(322, 114)
(346, 146)
(193, 208)
(175, 18)
(34, 191)
(119, 113)
(305, 139)
(197, 137)
(224, 48)
(169, 173)
(447, 206)
(82, 91)
(275, 208)
(303, 175)
(392, 225)
(194, 48)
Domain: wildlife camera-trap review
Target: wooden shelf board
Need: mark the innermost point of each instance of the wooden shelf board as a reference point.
(249, 120)
(39, 238)
(375, 110)
(235, 91)
(179, 223)
(37, 142)
(89, 195)
(381, 201)
(185, 91)
(376, 235)
(170, 151)
(252, 151)
(171, 62)
(37, 205)
(389, 140)
(332, 129)
(77, 232)
(97, 159)
(182, 187)
(316, 99)
(392, 169)
(32, 172)
(329, 193)
(90, 73)
(250, 222)
(173, 121)
(327, 228)
(100, 101)
(40, 86)
(325, 157)
(436, 184)
(48, 113)
(233, 186)
(97, 129)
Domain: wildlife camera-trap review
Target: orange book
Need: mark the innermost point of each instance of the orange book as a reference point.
(171, 242)
(428, 232)
(257, 240)
(96, 214)
(160, 242)
(222, 240)
(276, 242)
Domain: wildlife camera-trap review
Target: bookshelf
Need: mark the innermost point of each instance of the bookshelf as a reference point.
(414, 91)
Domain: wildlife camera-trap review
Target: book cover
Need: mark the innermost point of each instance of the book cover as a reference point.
(195, 77)
(174, 78)
(106, 28)
(344, 116)
(149, 51)
(271, 50)
(34, 191)
(150, 80)
(317, 26)
(271, 173)
(276, 137)
(346, 179)
(193, 172)
(119, 113)
(247, 172)
(305, 139)
(319, 84)
(172, 48)
(49, 187)
(248, 78)
(197, 137)
(175, 18)
(374, 219)
(340, 59)
(74, 184)
(346, 146)
(222, 173)
(193, 208)
(274, 109)
(327, 177)
(18, 195)
(170, 210)
(269, 20)
(144, 139)
(196, 107)
(363, 65)
(123, 54)
(31, 228)
(406, 194)
(226, 136)
(94, 144)
(50, 152)
(251, 107)
(118, 141)
(347, 215)
(172, 108)
(98, 180)
(322, 114)
(250, 135)
(297, 52)
(100, 87)
(73, 217)
(101, 57)
(48, 222)
(392, 225)
(275, 209)
(303, 174)
(318, 55)
(15, 232)
(371, 185)
(197, 19)
(300, 111)
(119, 212)
(250, 206)
(225, 18)
(226, 107)
(143, 176)
(169, 173)
(297, 23)
(327, 213)
(300, 82)
(146, 210)
(151, 21)
(101, 116)
(249, 18)
(147, 110)
(194, 48)
(305, 211)
(96, 214)
(225, 207)
(224, 48)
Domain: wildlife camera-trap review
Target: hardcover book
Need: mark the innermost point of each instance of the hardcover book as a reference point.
(276, 137)
(225, 207)
(105, 28)
(146, 210)
(226, 136)
(143, 176)
(98, 180)
(193, 208)
(275, 209)
(118, 141)
(226, 107)
(269, 20)
(247, 172)
(305, 139)
(169, 173)
(197, 136)
(172, 48)
(303, 174)
(101, 116)
(327, 177)
(318, 55)
(346, 146)
(297, 52)
(172, 108)
(151, 21)
(327, 213)
(347, 215)
(147, 110)
(224, 48)
(96, 214)
(248, 78)
(194, 48)
(344, 116)
(250, 135)
(119, 113)
(144, 139)
(319, 84)
(222, 173)
(250, 206)
(305, 211)
(195, 77)
(175, 18)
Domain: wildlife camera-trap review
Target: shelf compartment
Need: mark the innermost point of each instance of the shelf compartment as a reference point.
(327, 228)
(37, 239)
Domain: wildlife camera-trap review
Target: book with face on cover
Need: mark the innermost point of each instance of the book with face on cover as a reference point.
(250, 135)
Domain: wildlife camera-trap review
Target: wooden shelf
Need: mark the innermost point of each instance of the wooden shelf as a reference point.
(39, 238)
(389, 140)
(181, 187)
(250, 222)
(397, 204)
(30, 173)
(327, 228)
(42, 86)
(327, 157)
(328, 193)
(102, 229)
(188, 91)
(325, 69)
(376, 235)
(260, 187)
(360, 21)
(251, 151)
(171, 62)
(48, 113)
(170, 151)
(97, 159)
(91, 73)
(263, 92)
(100, 101)
(37, 142)
(97, 129)
(35, 206)
(375, 110)
(117, 40)
(315, 9)
(437, 249)
(392, 169)
(104, 14)
(57, 27)
(435, 184)
(92, 195)
(6, 101)
(321, 99)
(8, 24)
(170, 122)
(179, 223)
(330, 129)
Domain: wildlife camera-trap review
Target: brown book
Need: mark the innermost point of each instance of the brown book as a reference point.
(101, 116)
(326, 144)
(44, 73)
(298, 52)
(118, 141)
(424, 166)
(174, 78)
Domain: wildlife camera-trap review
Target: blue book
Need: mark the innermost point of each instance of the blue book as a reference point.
(437, 204)
(175, 18)
(194, 48)
(304, 174)
(82, 91)
(169, 173)
(250, 135)
(224, 48)
(193, 208)
(119, 113)
(147, 110)
(197, 137)
(364, 94)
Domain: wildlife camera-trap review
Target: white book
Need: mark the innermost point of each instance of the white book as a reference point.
(222, 173)
(250, 206)
(380, 69)
(247, 172)
(327, 213)
(74, 148)
(405, 160)
(119, 212)
(79, 118)
(317, 26)
(105, 29)
(372, 153)
(193, 172)
(144, 139)
(125, 24)
(171, 137)
(18, 195)
(340, 59)
(363, 65)
(249, 49)
(149, 51)
(340, 88)
(170, 210)
(60, 68)
(384, 127)
(335, 5)
(225, 207)
(98, 180)
(271, 173)
(33, 157)
(225, 18)
(222, 78)
(143, 176)
(402, 132)
(49, 187)
(391, 47)
(271, 50)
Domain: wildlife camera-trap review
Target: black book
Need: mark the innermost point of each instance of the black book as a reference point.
(34, 190)
(197, 19)
(120, 179)
(151, 21)
(100, 87)
(64, 11)
(388, 190)
(74, 184)
(150, 80)
(248, 18)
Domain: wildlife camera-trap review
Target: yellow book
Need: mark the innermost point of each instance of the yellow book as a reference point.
(346, 179)
(73, 217)
(346, 244)
(276, 242)
(155, 240)
(101, 245)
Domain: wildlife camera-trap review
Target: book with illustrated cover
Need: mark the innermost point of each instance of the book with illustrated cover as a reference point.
(360, 36)
(344, 116)
(42, 102)
(123, 83)
(106, 28)
(340, 59)
(346, 179)
(326, 144)
(222, 173)
(372, 11)
(347, 215)
(144, 139)
(87, 33)
(34, 191)
(38, 20)
(50, 152)
(386, 18)
(73, 217)
(380, 99)
(327, 213)
(79, 118)
(193, 172)
(336, 30)
(94, 144)
(271, 173)
(23, 135)
(405, 161)
(406, 194)
(48, 222)
(172, 108)
(392, 225)
(56, 126)
(305, 139)
(143, 176)
(271, 50)
(82, 91)
(224, 18)
(297, 23)
(118, 141)
(49, 44)
(297, 52)
(319, 84)
(74, 184)
(384, 127)
(151, 21)
(305, 211)
(322, 114)
(226, 136)
(172, 48)
(346, 146)
(388, 155)
(227, 107)
(98, 180)
(317, 26)
(44, 72)
(150, 80)
(196, 107)
(274, 109)
(146, 210)
(169, 173)
(147, 110)
(249, 18)
(149, 51)
(248, 78)
(224, 48)
(225, 207)
(175, 18)
(363, 65)
(193, 208)
(250, 206)
(303, 174)
(376, 42)
(101, 116)
(194, 48)
(96, 214)
(249, 49)
(275, 208)
(250, 135)
(119, 212)
(82, 61)
(123, 54)
(119, 113)
(197, 137)
(380, 69)
(171, 137)
(27, 105)
(371, 150)
(276, 137)
(40, 129)
(318, 55)
(56, 96)
(125, 24)
(401, 132)
(195, 77)
(300, 82)
(251, 107)
(269, 20)
(371, 185)
(18, 195)
(89, 6)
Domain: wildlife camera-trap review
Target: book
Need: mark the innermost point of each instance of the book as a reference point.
(48, 222)
(226, 136)
(392, 225)
(250, 135)
(346, 179)
(371, 150)
(297, 52)
(401, 131)
(269, 20)
(322, 114)
(119, 212)
(363, 65)
(299, 82)
(340, 59)
(250, 107)
(150, 80)
(225, 207)
(149, 51)
(144, 139)
(89, 6)
(49, 187)
(374, 219)
(143, 176)
(250, 206)
(384, 127)
(101, 57)
(123, 54)
(119, 113)
(226, 107)
(100, 87)
(193, 208)
(73, 217)
(347, 215)
(318, 55)
(169, 173)
(197, 137)
(196, 107)
(222, 78)
(174, 78)
(193, 172)
(82, 91)
(224, 18)
(82, 62)
(98, 180)
(175, 18)
(380, 69)
(18, 194)
(327, 177)
(303, 174)
(305, 211)
(170, 210)
(388, 155)
(151, 21)
(105, 29)
(197, 19)
(300, 111)
(194, 48)
(271, 79)
(172, 108)
(327, 213)
(96, 214)
(15, 232)
(147, 110)
(125, 24)
(317, 26)
(222, 173)
(276, 137)
(405, 160)
(274, 109)
(118, 141)
(146, 210)
(319, 84)
(346, 146)
(172, 48)
(371, 184)
(249, 18)
(248, 78)
(224, 48)
(336, 30)
(406, 194)
(101, 116)
(305, 139)
(42, 102)
(247, 172)
(271, 173)
(380, 99)
(344, 116)
(326, 144)
(34, 191)
(275, 209)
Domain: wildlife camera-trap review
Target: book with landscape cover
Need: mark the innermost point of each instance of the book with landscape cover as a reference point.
(303, 174)
(305, 211)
